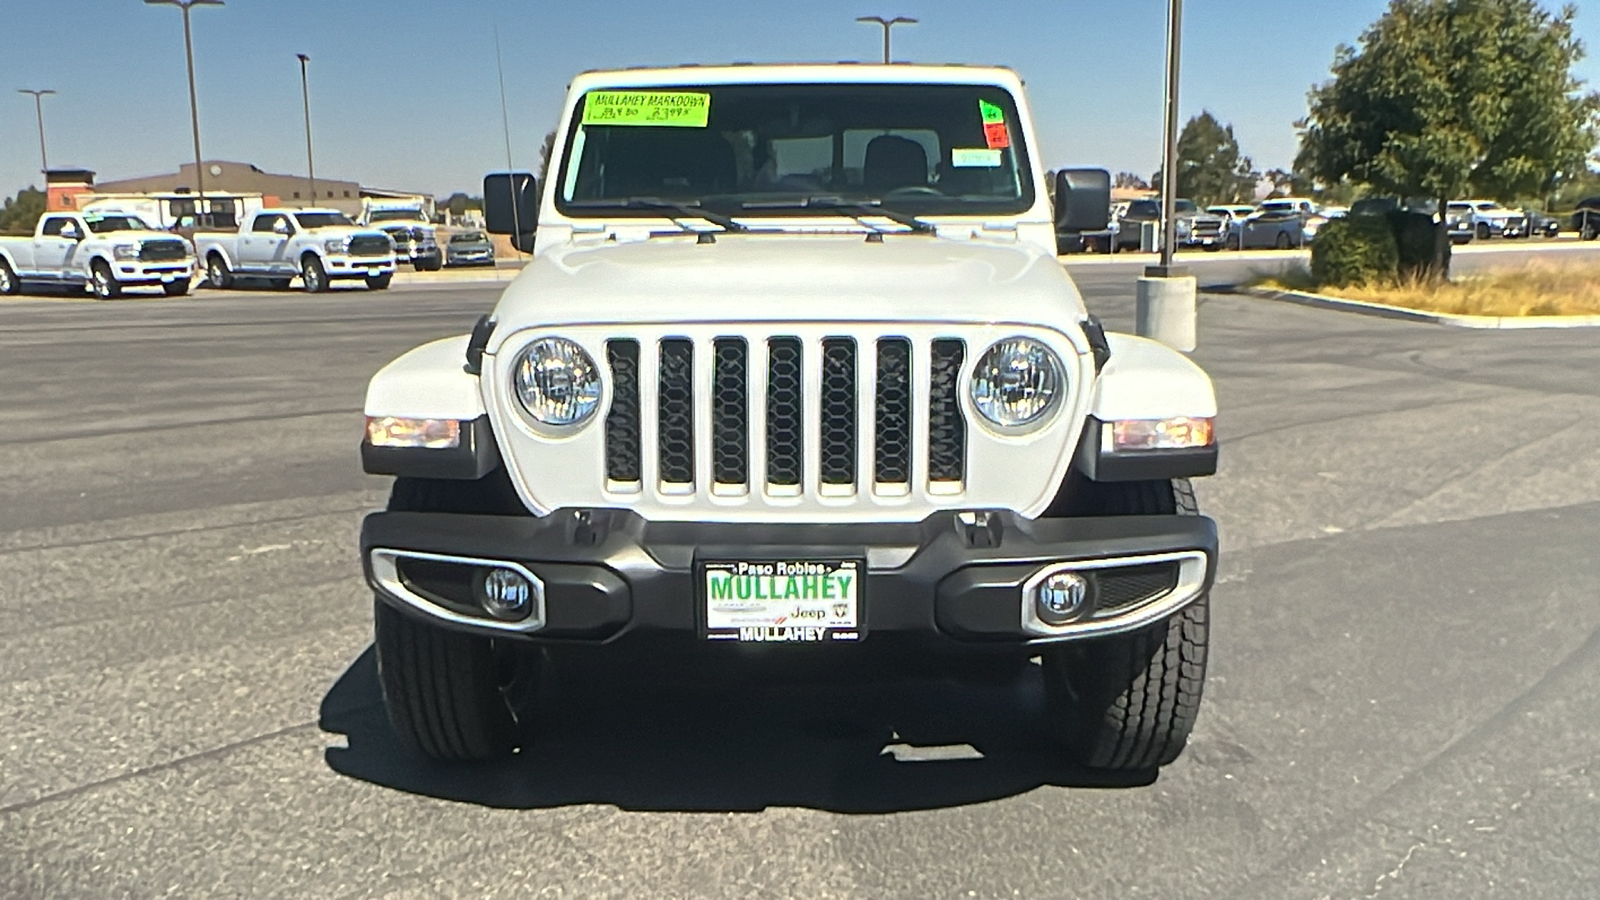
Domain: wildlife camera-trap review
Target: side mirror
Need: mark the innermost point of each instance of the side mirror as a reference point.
(69, 232)
(511, 206)
(280, 227)
(1083, 199)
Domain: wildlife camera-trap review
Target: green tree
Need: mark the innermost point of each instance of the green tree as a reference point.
(1130, 181)
(1210, 167)
(1447, 97)
(21, 213)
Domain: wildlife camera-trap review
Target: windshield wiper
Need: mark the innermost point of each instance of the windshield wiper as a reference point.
(855, 209)
(684, 210)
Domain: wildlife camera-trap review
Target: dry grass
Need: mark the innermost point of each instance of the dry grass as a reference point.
(1541, 288)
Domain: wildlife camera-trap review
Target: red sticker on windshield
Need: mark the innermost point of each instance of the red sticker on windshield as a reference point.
(997, 135)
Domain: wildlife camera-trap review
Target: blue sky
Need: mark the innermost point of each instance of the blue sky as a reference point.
(405, 95)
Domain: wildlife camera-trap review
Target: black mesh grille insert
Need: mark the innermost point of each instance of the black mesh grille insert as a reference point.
(163, 251)
(369, 245)
(892, 455)
(1118, 589)
(622, 423)
(838, 450)
(675, 411)
(730, 413)
(947, 430)
(785, 407)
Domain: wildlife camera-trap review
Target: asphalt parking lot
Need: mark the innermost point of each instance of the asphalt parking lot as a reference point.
(1402, 704)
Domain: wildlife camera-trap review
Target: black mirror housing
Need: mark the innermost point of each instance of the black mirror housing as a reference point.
(511, 207)
(1083, 200)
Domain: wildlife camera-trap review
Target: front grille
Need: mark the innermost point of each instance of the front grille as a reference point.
(785, 415)
(162, 251)
(369, 245)
(1118, 589)
(1204, 228)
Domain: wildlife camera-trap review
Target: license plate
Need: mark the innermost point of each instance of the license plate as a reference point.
(782, 601)
(374, 271)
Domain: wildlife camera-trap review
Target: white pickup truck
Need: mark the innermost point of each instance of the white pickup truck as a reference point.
(107, 251)
(321, 246)
(407, 225)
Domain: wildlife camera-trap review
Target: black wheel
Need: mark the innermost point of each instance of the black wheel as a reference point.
(313, 275)
(452, 696)
(433, 265)
(1129, 702)
(104, 283)
(1235, 243)
(10, 284)
(416, 265)
(1284, 243)
(1483, 231)
(175, 288)
(379, 282)
(217, 272)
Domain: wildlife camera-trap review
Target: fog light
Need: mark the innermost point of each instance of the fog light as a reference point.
(505, 594)
(1061, 598)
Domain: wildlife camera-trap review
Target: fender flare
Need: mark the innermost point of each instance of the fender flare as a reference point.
(1145, 379)
(432, 382)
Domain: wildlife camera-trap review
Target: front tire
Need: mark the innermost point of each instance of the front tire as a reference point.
(452, 696)
(313, 274)
(379, 282)
(217, 272)
(175, 288)
(104, 282)
(10, 284)
(1129, 702)
(1284, 242)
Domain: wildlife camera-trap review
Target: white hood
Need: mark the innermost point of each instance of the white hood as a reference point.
(791, 278)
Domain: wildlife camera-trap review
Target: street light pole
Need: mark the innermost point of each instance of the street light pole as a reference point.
(887, 24)
(38, 108)
(202, 211)
(1169, 159)
(305, 96)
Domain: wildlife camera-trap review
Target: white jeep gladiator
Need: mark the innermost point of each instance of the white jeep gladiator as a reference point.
(793, 378)
(321, 246)
(104, 251)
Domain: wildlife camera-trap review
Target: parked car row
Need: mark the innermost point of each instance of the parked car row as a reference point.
(106, 252)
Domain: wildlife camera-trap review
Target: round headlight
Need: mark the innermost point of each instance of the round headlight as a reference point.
(1016, 382)
(557, 382)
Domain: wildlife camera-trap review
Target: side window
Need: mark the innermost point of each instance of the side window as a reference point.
(54, 225)
(263, 224)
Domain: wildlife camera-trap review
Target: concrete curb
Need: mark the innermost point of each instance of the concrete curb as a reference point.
(1383, 310)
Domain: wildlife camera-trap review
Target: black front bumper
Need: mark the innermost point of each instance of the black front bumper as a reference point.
(953, 579)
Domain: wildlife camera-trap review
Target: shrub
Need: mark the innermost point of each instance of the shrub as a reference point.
(1355, 250)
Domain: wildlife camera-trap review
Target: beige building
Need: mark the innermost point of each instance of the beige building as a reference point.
(242, 178)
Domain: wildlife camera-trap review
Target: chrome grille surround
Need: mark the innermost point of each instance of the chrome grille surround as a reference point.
(748, 441)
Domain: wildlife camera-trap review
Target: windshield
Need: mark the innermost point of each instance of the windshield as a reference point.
(321, 219)
(467, 237)
(919, 148)
(108, 224)
(390, 215)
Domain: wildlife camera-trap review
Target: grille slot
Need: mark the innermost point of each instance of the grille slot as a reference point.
(622, 423)
(730, 413)
(1117, 589)
(785, 412)
(675, 412)
(892, 418)
(837, 453)
(947, 429)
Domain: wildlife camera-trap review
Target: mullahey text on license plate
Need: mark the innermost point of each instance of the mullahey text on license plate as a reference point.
(780, 601)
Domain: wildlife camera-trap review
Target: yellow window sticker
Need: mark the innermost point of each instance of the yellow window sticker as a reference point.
(659, 108)
(975, 158)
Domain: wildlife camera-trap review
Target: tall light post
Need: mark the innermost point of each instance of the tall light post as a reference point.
(305, 96)
(1165, 301)
(1169, 158)
(202, 211)
(38, 108)
(888, 25)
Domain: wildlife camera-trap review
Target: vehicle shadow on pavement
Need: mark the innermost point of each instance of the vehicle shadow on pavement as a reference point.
(638, 744)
